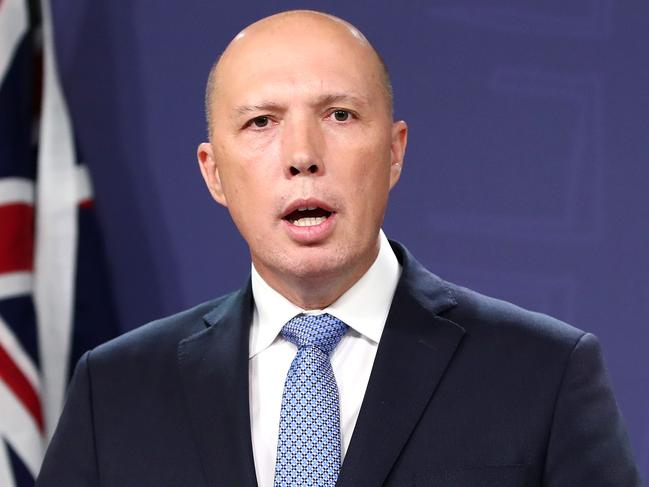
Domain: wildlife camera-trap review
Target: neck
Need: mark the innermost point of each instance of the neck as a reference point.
(320, 290)
(313, 293)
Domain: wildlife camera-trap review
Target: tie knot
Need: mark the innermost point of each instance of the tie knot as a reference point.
(321, 331)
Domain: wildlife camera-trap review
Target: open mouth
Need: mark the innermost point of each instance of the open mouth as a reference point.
(308, 216)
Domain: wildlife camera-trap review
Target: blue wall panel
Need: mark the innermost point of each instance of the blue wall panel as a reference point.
(526, 175)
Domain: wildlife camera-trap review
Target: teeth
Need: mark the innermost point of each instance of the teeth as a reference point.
(304, 208)
(309, 222)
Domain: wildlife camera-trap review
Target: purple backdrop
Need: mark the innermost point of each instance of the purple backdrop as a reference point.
(526, 174)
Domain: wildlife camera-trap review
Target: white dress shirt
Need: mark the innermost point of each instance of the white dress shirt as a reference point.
(364, 307)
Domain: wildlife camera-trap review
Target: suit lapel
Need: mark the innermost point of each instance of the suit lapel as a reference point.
(214, 373)
(415, 350)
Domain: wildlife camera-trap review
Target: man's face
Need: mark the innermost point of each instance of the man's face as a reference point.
(303, 150)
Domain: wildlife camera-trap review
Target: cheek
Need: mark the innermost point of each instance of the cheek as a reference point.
(244, 195)
(247, 166)
(370, 169)
(254, 162)
(374, 179)
(368, 187)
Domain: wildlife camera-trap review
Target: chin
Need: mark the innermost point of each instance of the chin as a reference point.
(309, 264)
(314, 268)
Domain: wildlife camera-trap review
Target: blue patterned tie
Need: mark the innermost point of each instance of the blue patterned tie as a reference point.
(308, 447)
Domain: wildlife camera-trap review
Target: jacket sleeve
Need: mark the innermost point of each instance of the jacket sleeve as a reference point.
(71, 458)
(588, 443)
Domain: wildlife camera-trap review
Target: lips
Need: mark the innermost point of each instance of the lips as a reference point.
(307, 213)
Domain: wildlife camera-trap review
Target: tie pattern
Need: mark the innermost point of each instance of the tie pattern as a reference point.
(308, 447)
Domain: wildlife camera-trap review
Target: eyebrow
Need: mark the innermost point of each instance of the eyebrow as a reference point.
(334, 98)
(262, 107)
(322, 100)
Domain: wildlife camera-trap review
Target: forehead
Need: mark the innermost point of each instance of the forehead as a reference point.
(295, 58)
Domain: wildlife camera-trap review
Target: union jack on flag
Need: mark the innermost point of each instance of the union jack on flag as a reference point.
(54, 297)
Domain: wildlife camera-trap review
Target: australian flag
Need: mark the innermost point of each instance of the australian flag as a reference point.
(55, 302)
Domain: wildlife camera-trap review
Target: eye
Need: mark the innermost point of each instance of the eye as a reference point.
(260, 122)
(341, 115)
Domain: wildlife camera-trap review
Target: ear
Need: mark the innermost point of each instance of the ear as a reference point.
(210, 172)
(398, 150)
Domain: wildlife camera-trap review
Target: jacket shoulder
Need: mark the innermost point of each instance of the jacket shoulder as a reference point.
(484, 316)
(161, 335)
(486, 321)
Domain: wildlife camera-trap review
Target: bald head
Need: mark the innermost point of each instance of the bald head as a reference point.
(290, 31)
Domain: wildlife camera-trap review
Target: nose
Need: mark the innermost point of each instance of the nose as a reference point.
(306, 167)
(303, 145)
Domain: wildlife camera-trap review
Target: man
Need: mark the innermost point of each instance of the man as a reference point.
(416, 381)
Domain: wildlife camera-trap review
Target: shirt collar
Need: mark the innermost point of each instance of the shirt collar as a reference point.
(364, 307)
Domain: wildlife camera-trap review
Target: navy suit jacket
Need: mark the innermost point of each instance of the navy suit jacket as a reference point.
(465, 391)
